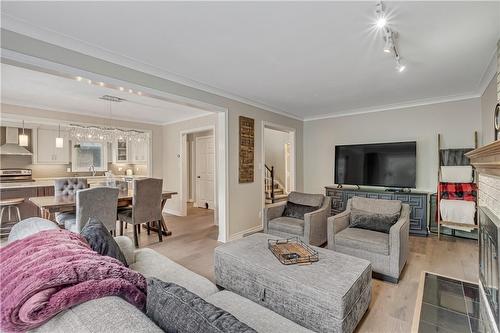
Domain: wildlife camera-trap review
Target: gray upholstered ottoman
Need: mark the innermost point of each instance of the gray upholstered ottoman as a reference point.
(330, 295)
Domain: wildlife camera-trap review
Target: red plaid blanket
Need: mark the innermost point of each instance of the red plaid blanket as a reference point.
(458, 191)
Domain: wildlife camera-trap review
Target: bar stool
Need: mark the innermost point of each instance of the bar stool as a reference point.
(9, 204)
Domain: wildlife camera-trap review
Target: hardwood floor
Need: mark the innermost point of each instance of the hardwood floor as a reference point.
(391, 310)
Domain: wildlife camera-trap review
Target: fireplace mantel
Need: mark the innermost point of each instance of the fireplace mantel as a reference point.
(486, 159)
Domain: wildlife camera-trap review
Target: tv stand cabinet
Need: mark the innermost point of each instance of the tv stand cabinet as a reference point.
(416, 199)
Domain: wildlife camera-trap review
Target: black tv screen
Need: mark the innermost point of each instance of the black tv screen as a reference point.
(379, 164)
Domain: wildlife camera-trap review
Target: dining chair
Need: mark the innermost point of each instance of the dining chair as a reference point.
(146, 207)
(97, 202)
(68, 187)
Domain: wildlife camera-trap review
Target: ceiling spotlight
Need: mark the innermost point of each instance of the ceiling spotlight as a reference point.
(78, 78)
(401, 68)
(381, 22)
(101, 84)
(121, 88)
(89, 81)
(139, 93)
(379, 11)
(130, 91)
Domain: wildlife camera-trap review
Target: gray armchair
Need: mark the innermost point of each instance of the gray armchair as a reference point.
(387, 252)
(311, 229)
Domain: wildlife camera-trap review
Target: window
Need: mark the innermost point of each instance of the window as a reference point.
(87, 154)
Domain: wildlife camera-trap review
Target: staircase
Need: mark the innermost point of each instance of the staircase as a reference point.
(274, 190)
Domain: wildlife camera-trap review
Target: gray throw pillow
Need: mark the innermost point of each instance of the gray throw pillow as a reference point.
(297, 210)
(176, 309)
(371, 221)
(101, 241)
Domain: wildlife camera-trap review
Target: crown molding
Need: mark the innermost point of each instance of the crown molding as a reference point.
(489, 73)
(43, 34)
(389, 107)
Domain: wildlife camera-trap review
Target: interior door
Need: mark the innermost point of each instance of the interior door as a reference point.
(205, 171)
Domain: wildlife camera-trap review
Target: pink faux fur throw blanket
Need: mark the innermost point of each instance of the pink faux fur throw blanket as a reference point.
(53, 270)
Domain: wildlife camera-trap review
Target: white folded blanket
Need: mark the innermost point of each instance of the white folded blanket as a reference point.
(456, 174)
(458, 211)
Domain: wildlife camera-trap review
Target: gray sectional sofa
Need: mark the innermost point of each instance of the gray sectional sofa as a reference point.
(113, 314)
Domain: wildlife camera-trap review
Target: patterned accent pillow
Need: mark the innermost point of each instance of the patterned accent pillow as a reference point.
(371, 221)
(297, 210)
(176, 309)
(101, 241)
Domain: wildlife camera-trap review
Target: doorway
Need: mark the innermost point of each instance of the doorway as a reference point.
(278, 151)
(201, 169)
(198, 171)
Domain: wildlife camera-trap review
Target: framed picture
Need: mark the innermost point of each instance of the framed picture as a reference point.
(247, 138)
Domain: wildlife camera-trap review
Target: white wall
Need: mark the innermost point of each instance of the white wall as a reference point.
(456, 121)
(274, 145)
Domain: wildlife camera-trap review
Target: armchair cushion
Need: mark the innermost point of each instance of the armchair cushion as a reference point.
(288, 225)
(306, 199)
(362, 239)
(297, 210)
(377, 206)
(372, 221)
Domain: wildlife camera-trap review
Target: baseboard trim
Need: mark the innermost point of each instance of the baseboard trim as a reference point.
(245, 233)
(173, 212)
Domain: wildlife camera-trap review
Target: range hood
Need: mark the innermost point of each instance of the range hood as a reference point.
(11, 146)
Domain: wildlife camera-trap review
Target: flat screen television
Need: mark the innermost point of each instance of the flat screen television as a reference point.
(379, 164)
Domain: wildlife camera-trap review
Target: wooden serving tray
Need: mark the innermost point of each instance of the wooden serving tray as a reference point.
(292, 251)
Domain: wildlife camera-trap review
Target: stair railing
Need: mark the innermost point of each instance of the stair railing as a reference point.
(269, 181)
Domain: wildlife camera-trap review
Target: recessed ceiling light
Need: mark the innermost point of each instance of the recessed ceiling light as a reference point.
(101, 84)
(121, 88)
(78, 78)
(89, 81)
(130, 91)
(139, 93)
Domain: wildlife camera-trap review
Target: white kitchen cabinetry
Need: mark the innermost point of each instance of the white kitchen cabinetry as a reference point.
(139, 152)
(121, 151)
(46, 151)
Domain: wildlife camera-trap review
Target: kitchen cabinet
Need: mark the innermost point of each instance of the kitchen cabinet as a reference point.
(139, 151)
(46, 151)
(121, 151)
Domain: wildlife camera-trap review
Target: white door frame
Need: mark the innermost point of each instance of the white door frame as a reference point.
(221, 135)
(184, 174)
(292, 135)
(212, 137)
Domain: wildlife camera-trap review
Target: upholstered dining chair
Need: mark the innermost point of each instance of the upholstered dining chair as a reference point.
(97, 202)
(146, 207)
(68, 187)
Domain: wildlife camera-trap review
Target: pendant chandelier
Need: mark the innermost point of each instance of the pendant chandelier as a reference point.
(81, 133)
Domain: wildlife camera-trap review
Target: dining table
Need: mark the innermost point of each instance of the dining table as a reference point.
(50, 205)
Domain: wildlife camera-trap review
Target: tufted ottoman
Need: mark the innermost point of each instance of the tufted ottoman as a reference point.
(330, 295)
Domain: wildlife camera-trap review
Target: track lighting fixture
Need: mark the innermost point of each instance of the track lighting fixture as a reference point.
(381, 19)
(389, 36)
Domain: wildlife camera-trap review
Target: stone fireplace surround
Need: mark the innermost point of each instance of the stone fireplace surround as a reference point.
(486, 161)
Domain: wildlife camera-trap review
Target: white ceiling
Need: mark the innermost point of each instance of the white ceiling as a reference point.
(304, 58)
(25, 87)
